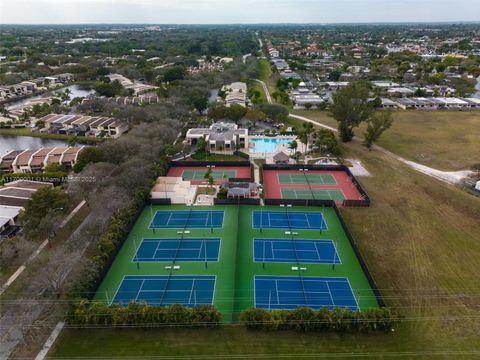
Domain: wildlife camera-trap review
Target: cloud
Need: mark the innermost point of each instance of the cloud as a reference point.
(235, 11)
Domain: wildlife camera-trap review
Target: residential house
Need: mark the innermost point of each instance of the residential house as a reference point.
(400, 92)
(7, 160)
(80, 125)
(34, 161)
(388, 104)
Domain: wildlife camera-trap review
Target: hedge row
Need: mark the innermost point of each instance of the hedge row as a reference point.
(242, 155)
(305, 319)
(118, 229)
(143, 315)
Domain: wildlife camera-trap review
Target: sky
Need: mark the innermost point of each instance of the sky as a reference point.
(235, 11)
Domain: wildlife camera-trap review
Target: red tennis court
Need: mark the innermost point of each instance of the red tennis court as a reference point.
(196, 174)
(313, 184)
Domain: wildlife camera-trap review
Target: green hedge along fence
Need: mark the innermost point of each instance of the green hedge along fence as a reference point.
(305, 319)
(143, 315)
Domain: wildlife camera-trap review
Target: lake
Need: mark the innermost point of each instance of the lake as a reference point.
(8, 143)
(75, 91)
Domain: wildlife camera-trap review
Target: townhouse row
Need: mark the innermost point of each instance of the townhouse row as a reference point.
(35, 161)
(30, 87)
(80, 125)
(433, 103)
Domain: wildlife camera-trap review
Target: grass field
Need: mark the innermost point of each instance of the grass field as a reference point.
(270, 78)
(258, 86)
(217, 157)
(265, 69)
(420, 240)
(446, 140)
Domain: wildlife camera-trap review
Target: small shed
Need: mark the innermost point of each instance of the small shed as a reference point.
(240, 189)
(281, 158)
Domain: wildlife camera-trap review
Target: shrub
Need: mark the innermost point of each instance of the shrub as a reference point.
(305, 319)
(254, 318)
(222, 193)
(140, 314)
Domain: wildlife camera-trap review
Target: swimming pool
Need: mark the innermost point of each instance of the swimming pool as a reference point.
(268, 145)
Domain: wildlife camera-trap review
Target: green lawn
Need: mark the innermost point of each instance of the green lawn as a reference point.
(265, 69)
(446, 140)
(218, 157)
(215, 343)
(258, 86)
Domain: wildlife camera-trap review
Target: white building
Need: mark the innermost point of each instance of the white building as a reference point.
(303, 97)
(8, 220)
(236, 93)
(221, 137)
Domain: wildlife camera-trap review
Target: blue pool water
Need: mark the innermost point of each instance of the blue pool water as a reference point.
(268, 145)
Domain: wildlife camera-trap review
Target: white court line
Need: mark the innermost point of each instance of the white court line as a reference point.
(330, 293)
(200, 250)
(156, 249)
(318, 253)
(276, 289)
(140, 289)
(353, 294)
(191, 292)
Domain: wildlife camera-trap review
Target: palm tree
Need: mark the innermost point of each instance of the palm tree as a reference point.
(293, 145)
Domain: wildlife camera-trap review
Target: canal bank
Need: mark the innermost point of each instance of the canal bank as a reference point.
(24, 138)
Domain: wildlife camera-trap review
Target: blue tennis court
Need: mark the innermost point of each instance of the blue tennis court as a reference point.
(181, 219)
(298, 220)
(166, 290)
(295, 250)
(290, 292)
(187, 249)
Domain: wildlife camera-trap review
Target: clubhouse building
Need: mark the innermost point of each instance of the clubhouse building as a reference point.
(221, 137)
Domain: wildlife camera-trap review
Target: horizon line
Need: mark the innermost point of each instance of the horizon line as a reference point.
(451, 22)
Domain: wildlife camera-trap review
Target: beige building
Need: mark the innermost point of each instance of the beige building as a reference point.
(221, 137)
(34, 161)
(236, 93)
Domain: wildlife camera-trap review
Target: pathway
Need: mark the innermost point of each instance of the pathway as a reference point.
(449, 177)
(265, 90)
(50, 341)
